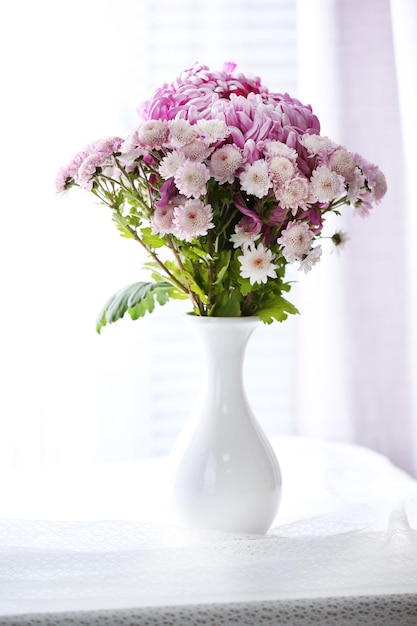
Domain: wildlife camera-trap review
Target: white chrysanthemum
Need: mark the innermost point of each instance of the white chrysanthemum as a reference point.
(317, 143)
(152, 134)
(213, 130)
(326, 185)
(163, 220)
(242, 237)
(310, 260)
(256, 264)
(255, 179)
(342, 162)
(170, 164)
(281, 169)
(295, 241)
(294, 194)
(180, 133)
(191, 179)
(196, 150)
(192, 219)
(224, 162)
(278, 148)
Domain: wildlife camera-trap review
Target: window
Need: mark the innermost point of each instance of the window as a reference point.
(69, 395)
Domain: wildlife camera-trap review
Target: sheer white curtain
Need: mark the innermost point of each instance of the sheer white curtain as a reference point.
(357, 343)
(73, 73)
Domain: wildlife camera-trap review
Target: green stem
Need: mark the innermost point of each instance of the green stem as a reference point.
(196, 299)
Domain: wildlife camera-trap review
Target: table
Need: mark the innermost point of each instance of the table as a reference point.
(96, 545)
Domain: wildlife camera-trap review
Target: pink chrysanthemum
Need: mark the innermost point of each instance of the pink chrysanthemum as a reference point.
(317, 144)
(192, 219)
(281, 169)
(87, 170)
(152, 134)
(342, 162)
(295, 241)
(191, 179)
(255, 179)
(256, 264)
(180, 133)
(224, 163)
(379, 185)
(294, 194)
(163, 220)
(278, 148)
(171, 164)
(196, 150)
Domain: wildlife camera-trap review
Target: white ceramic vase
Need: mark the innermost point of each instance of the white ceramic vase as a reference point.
(225, 473)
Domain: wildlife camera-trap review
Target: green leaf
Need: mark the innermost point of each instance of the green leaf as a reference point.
(277, 309)
(151, 239)
(136, 299)
(230, 307)
(122, 225)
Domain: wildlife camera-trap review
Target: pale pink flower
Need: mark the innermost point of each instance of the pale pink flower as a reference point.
(170, 164)
(87, 170)
(310, 259)
(375, 179)
(192, 219)
(63, 180)
(224, 163)
(326, 185)
(295, 241)
(378, 185)
(294, 194)
(196, 150)
(278, 148)
(191, 179)
(354, 186)
(181, 132)
(256, 264)
(342, 162)
(212, 130)
(281, 169)
(152, 134)
(163, 220)
(255, 179)
(316, 144)
(244, 235)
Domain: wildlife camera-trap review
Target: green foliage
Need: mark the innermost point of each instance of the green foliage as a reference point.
(136, 299)
(276, 308)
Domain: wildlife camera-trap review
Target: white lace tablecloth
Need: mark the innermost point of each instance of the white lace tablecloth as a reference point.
(96, 546)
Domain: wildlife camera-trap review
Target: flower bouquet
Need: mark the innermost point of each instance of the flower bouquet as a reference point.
(223, 184)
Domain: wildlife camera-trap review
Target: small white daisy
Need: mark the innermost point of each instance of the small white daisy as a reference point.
(256, 264)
